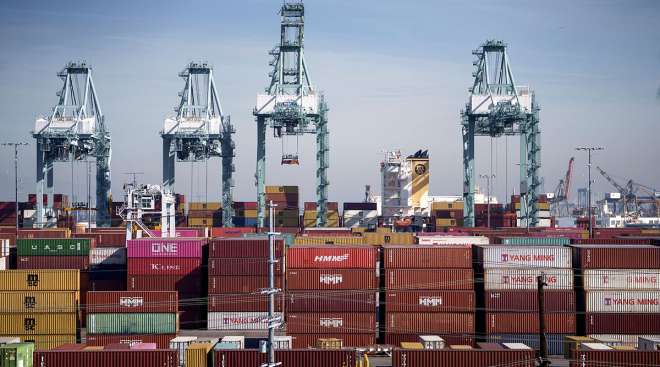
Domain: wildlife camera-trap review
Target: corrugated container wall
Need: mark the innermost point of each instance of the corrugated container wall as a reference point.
(39, 280)
(623, 301)
(525, 256)
(631, 279)
(323, 257)
(419, 257)
(463, 358)
(123, 358)
(616, 256)
(132, 323)
(502, 278)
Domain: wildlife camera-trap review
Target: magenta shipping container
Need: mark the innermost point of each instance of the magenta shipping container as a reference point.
(331, 301)
(622, 323)
(163, 266)
(165, 247)
(427, 256)
(123, 358)
(243, 247)
(328, 257)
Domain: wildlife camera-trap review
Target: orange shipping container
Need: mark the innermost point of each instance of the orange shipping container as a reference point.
(38, 323)
(42, 302)
(40, 280)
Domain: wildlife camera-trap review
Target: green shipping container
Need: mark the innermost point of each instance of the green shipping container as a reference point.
(132, 323)
(536, 241)
(16, 355)
(53, 246)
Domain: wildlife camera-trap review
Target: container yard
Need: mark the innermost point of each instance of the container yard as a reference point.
(470, 267)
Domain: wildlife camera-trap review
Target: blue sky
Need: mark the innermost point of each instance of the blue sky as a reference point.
(395, 74)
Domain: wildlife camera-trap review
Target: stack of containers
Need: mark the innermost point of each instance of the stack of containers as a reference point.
(8, 213)
(238, 270)
(428, 290)
(332, 292)
(543, 206)
(80, 355)
(309, 214)
(363, 215)
(4, 253)
(510, 297)
(287, 211)
(245, 213)
(496, 215)
(446, 214)
(132, 317)
(203, 214)
(620, 290)
(171, 264)
(40, 306)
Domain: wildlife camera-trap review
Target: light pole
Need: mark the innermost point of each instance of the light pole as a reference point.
(488, 178)
(16, 145)
(589, 149)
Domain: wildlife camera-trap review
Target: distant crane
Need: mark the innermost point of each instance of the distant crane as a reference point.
(498, 106)
(632, 202)
(74, 131)
(562, 192)
(292, 107)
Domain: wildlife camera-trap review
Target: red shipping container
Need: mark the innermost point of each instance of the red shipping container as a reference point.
(329, 257)
(162, 340)
(124, 358)
(527, 301)
(242, 302)
(288, 358)
(348, 340)
(331, 279)
(448, 279)
(622, 323)
(243, 247)
(427, 257)
(240, 284)
(526, 323)
(331, 322)
(616, 256)
(43, 233)
(165, 247)
(244, 205)
(602, 358)
(450, 339)
(242, 266)
(612, 241)
(53, 262)
(418, 322)
(230, 232)
(463, 358)
(164, 266)
(429, 301)
(9, 236)
(184, 284)
(331, 301)
(146, 301)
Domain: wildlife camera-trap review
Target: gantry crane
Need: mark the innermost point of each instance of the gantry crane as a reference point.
(562, 192)
(292, 107)
(200, 131)
(632, 203)
(74, 131)
(498, 106)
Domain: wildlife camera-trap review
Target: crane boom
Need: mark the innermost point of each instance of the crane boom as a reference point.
(609, 179)
(567, 180)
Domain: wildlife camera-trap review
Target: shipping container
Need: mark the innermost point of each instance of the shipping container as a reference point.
(45, 342)
(161, 340)
(429, 301)
(132, 323)
(124, 358)
(182, 283)
(165, 247)
(238, 320)
(37, 323)
(53, 262)
(431, 323)
(288, 358)
(230, 231)
(242, 302)
(418, 257)
(164, 266)
(331, 301)
(239, 284)
(107, 256)
(39, 280)
(116, 238)
(132, 302)
(330, 240)
(44, 233)
(597, 358)
(622, 323)
(325, 257)
(525, 278)
(242, 266)
(330, 322)
(16, 354)
(630, 279)
(451, 240)
(614, 340)
(450, 339)
(555, 342)
(524, 256)
(198, 355)
(540, 241)
(448, 279)
(623, 301)
(39, 302)
(331, 279)
(528, 322)
(463, 358)
(53, 247)
(243, 247)
(616, 256)
(305, 341)
(528, 301)
(398, 238)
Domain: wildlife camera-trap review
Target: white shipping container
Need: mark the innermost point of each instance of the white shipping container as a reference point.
(623, 301)
(452, 240)
(511, 278)
(543, 222)
(282, 342)
(4, 247)
(4, 263)
(180, 344)
(526, 256)
(625, 279)
(107, 256)
(239, 320)
(614, 340)
(360, 218)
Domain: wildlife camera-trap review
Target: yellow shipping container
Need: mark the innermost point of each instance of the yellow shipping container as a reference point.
(46, 302)
(395, 238)
(197, 354)
(383, 230)
(281, 189)
(358, 229)
(39, 280)
(200, 222)
(412, 345)
(445, 222)
(247, 213)
(38, 323)
(447, 205)
(328, 240)
(47, 341)
(309, 214)
(539, 206)
(204, 206)
(329, 343)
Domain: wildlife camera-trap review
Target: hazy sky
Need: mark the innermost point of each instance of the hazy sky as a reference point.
(395, 75)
